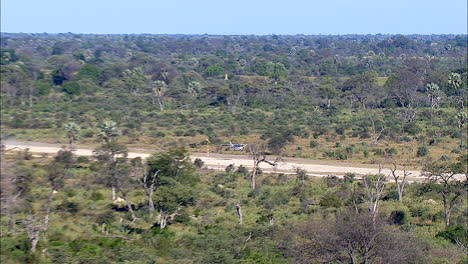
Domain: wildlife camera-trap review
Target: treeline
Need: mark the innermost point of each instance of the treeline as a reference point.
(236, 70)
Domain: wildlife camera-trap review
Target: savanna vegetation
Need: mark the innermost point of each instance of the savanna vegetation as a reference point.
(394, 100)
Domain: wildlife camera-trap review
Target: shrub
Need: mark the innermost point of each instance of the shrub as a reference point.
(455, 234)
(87, 133)
(391, 195)
(422, 151)
(313, 144)
(445, 158)
(242, 170)
(230, 168)
(331, 200)
(69, 206)
(82, 159)
(379, 152)
(198, 163)
(391, 151)
(399, 217)
(96, 196)
(159, 134)
(106, 217)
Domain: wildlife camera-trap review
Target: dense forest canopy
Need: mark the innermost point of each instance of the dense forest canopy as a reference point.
(394, 100)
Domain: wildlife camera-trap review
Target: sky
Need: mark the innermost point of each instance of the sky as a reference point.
(222, 17)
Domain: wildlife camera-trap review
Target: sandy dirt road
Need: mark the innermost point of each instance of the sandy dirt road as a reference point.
(220, 161)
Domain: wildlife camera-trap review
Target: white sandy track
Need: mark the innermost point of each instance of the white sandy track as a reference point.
(220, 161)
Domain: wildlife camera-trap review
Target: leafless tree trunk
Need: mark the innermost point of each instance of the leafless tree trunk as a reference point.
(239, 212)
(258, 158)
(34, 232)
(376, 135)
(400, 184)
(113, 193)
(163, 216)
(448, 202)
(48, 208)
(271, 220)
(374, 192)
(149, 186)
(10, 211)
(129, 206)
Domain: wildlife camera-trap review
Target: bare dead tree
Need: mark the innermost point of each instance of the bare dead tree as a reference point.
(34, 231)
(13, 185)
(58, 170)
(374, 190)
(400, 182)
(376, 135)
(258, 156)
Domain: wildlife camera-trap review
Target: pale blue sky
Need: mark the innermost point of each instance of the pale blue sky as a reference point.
(235, 17)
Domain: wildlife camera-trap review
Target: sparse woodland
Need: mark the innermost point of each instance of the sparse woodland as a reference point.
(398, 101)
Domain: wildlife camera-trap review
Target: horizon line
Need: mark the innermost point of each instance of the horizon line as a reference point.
(246, 34)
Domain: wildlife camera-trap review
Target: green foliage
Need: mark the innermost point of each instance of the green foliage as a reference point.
(422, 151)
(214, 70)
(456, 234)
(198, 163)
(330, 200)
(399, 217)
(43, 88)
(89, 71)
(72, 88)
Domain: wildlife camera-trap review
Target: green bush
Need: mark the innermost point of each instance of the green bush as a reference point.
(454, 234)
(198, 163)
(330, 200)
(399, 217)
(69, 206)
(96, 196)
(422, 151)
(313, 144)
(242, 170)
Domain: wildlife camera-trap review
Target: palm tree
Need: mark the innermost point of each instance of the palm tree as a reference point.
(433, 90)
(108, 131)
(73, 133)
(455, 82)
(108, 152)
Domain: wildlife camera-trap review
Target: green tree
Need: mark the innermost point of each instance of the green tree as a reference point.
(72, 133)
(72, 88)
(89, 71)
(433, 92)
(175, 184)
(362, 86)
(109, 152)
(327, 92)
(450, 188)
(214, 70)
(134, 80)
(279, 72)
